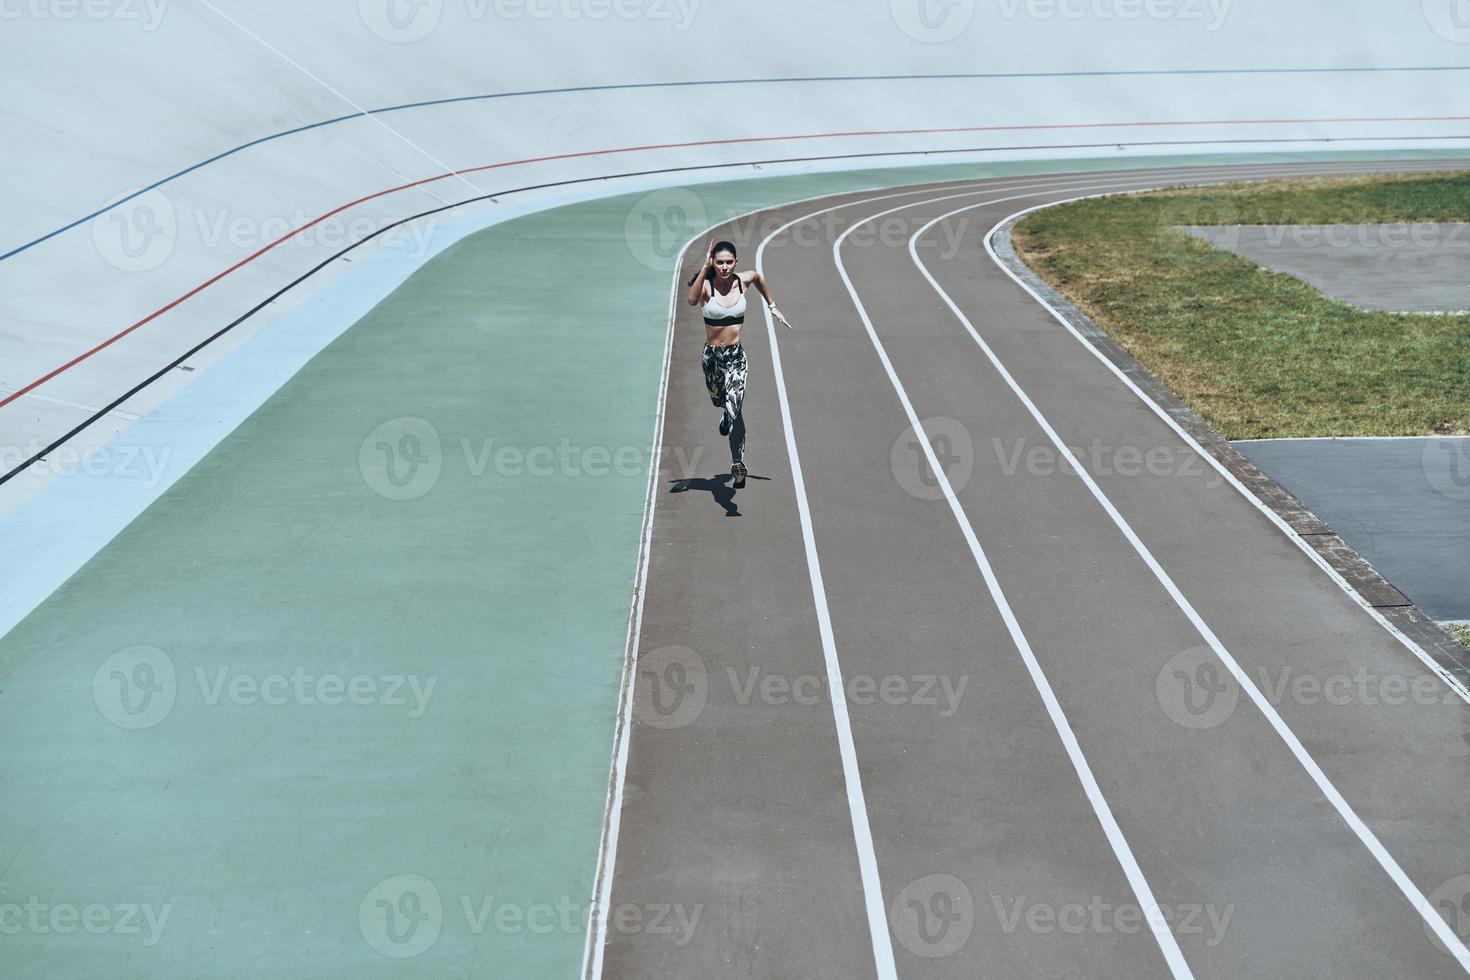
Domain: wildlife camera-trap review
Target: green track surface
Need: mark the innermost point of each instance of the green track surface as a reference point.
(268, 833)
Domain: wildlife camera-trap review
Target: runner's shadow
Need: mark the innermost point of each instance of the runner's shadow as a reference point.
(716, 486)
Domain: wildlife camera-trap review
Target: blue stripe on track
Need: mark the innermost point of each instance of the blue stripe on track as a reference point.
(725, 81)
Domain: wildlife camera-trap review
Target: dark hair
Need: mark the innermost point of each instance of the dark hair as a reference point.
(719, 247)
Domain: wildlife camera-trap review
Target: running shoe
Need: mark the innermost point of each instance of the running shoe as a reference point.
(724, 423)
(737, 473)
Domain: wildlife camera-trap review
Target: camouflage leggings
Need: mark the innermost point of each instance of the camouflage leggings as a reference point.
(725, 369)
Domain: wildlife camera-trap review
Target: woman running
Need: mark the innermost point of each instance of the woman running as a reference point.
(721, 291)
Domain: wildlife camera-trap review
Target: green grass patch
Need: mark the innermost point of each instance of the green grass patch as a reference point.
(1257, 353)
(1460, 631)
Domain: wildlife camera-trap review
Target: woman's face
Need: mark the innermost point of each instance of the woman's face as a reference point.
(724, 263)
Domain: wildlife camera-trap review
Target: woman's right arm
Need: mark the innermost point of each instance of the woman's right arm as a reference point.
(696, 290)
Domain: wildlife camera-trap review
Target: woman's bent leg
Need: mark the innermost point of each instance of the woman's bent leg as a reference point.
(736, 372)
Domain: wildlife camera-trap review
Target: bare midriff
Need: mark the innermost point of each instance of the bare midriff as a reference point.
(722, 336)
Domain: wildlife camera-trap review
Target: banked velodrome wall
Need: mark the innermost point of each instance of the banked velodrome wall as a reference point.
(170, 164)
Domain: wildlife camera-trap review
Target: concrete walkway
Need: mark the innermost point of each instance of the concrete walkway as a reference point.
(1403, 504)
(1406, 268)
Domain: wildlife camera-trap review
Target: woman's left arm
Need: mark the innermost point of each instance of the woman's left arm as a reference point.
(759, 282)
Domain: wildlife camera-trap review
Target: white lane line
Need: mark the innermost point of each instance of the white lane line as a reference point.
(596, 943)
(856, 801)
(607, 852)
(1430, 916)
(613, 814)
(1119, 843)
(1404, 640)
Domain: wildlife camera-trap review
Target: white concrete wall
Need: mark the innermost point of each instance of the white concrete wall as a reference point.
(103, 97)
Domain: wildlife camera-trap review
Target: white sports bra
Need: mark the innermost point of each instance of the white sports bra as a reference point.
(717, 314)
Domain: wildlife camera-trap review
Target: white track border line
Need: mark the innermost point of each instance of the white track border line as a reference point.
(607, 852)
(1408, 643)
(596, 942)
(1158, 925)
(1385, 860)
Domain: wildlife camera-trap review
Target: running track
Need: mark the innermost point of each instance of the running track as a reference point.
(1075, 695)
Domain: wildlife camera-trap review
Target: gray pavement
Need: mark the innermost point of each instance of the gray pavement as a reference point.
(1403, 504)
(1406, 268)
(991, 853)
